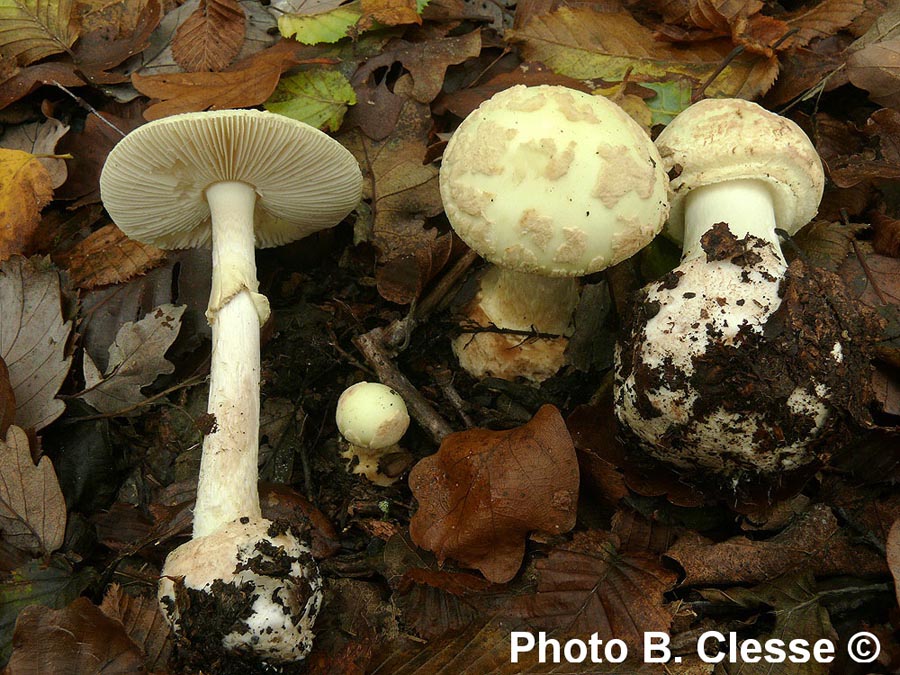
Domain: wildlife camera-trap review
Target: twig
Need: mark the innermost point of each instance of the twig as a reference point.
(91, 109)
(371, 345)
(397, 333)
(444, 379)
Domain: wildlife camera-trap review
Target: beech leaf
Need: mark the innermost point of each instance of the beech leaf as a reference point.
(249, 82)
(25, 188)
(77, 640)
(317, 97)
(7, 400)
(33, 340)
(39, 138)
(107, 256)
(484, 491)
(144, 623)
(585, 44)
(136, 359)
(32, 507)
(211, 37)
(876, 68)
(35, 29)
(594, 584)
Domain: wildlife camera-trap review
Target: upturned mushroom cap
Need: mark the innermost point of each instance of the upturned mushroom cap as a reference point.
(371, 415)
(718, 140)
(154, 180)
(553, 181)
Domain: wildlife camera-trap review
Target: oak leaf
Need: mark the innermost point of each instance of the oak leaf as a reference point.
(247, 83)
(108, 256)
(211, 37)
(816, 543)
(32, 507)
(33, 340)
(585, 44)
(77, 640)
(484, 491)
(403, 189)
(25, 188)
(136, 359)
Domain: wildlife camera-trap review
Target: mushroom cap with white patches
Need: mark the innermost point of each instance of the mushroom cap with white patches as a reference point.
(553, 181)
(154, 181)
(371, 415)
(285, 603)
(719, 140)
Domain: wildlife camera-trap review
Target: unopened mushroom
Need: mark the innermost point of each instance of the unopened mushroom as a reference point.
(698, 380)
(372, 418)
(548, 183)
(233, 179)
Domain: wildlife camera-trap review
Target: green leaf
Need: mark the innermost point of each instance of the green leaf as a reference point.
(671, 98)
(34, 29)
(53, 585)
(317, 97)
(311, 29)
(585, 44)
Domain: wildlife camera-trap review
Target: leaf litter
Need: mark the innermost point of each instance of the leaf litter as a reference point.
(533, 515)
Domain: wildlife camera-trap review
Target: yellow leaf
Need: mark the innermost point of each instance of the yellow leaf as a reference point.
(585, 44)
(33, 29)
(25, 188)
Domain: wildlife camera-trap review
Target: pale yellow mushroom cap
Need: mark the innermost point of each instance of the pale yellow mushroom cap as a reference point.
(550, 180)
(154, 180)
(718, 140)
(371, 415)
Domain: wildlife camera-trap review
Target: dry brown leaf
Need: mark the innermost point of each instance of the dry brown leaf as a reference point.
(107, 256)
(33, 339)
(893, 556)
(77, 640)
(388, 12)
(143, 621)
(876, 68)
(211, 37)
(427, 62)
(32, 507)
(25, 188)
(403, 191)
(7, 400)
(39, 138)
(402, 279)
(249, 82)
(592, 584)
(114, 32)
(821, 20)
(585, 44)
(815, 543)
(484, 491)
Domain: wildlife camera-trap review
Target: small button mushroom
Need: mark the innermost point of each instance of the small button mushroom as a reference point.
(233, 179)
(372, 418)
(738, 172)
(548, 183)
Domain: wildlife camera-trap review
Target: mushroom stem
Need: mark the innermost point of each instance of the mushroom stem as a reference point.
(745, 205)
(227, 486)
(520, 301)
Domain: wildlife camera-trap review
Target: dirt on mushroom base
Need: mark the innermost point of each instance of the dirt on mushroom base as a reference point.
(754, 377)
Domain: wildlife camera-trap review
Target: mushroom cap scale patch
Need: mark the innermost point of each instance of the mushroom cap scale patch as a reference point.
(153, 183)
(553, 181)
(719, 140)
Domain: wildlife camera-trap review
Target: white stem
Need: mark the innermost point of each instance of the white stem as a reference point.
(745, 205)
(226, 489)
(520, 301)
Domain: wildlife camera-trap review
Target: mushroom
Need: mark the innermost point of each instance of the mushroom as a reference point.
(372, 418)
(548, 183)
(699, 380)
(233, 179)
